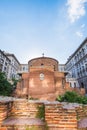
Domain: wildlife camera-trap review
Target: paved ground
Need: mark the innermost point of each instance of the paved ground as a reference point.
(23, 121)
(82, 123)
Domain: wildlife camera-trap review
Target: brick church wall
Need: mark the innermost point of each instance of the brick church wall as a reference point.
(38, 86)
(43, 61)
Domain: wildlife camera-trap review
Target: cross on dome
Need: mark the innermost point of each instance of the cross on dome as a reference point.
(43, 54)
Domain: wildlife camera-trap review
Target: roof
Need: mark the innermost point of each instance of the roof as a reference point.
(42, 58)
(4, 54)
(8, 54)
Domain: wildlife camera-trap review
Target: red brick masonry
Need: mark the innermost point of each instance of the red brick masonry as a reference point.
(18, 114)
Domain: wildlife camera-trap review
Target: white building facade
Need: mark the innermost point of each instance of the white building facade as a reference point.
(71, 79)
(23, 68)
(61, 67)
(13, 67)
(77, 65)
(4, 63)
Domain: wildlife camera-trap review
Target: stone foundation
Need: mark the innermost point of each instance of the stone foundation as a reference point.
(21, 114)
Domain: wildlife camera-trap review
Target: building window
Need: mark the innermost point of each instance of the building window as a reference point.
(80, 54)
(83, 51)
(74, 85)
(82, 85)
(77, 56)
(86, 66)
(4, 68)
(6, 63)
(70, 84)
(78, 74)
(23, 68)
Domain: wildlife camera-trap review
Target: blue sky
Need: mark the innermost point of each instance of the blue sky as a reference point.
(29, 28)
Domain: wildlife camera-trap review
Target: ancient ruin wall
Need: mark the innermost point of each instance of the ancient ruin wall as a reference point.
(58, 116)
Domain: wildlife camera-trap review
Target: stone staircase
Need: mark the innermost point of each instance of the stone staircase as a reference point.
(23, 124)
(24, 109)
(22, 116)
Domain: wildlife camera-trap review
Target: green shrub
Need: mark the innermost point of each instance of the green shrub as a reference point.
(41, 112)
(32, 98)
(60, 98)
(72, 97)
(5, 86)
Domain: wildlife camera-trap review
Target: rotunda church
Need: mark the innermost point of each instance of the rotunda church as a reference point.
(43, 80)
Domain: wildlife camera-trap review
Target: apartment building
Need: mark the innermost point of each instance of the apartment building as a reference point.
(71, 79)
(13, 67)
(4, 63)
(76, 65)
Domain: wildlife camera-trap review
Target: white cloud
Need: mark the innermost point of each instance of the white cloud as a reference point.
(76, 9)
(79, 34)
(83, 25)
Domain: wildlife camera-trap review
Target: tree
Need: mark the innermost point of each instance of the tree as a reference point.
(5, 86)
(14, 82)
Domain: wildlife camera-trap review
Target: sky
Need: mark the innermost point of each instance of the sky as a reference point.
(29, 28)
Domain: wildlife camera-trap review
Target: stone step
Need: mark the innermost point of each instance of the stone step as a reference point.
(23, 124)
(82, 124)
(25, 108)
